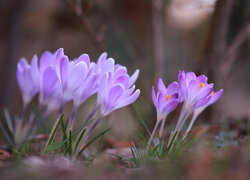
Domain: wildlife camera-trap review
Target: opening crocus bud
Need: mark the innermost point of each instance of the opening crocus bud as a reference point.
(27, 78)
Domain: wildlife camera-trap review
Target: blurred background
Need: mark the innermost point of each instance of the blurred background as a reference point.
(159, 37)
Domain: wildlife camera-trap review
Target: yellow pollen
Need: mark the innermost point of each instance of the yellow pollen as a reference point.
(167, 97)
(201, 85)
(212, 93)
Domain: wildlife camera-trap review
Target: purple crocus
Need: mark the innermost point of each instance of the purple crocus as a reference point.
(86, 89)
(165, 101)
(70, 73)
(195, 89)
(115, 92)
(116, 89)
(27, 78)
(89, 85)
(198, 94)
(212, 98)
(49, 84)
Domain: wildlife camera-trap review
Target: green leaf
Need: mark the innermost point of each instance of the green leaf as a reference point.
(92, 140)
(136, 151)
(142, 121)
(54, 146)
(78, 140)
(6, 136)
(171, 143)
(8, 120)
(70, 143)
(54, 132)
(124, 158)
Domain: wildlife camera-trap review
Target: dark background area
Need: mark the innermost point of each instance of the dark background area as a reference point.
(158, 37)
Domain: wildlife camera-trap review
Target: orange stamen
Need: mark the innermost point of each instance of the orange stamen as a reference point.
(201, 85)
(167, 97)
(212, 93)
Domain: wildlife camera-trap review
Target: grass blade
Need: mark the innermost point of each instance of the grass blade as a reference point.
(92, 140)
(171, 143)
(78, 140)
(124, 158)
(54, 132)
(54, 146)
(8, 120)
(6, 136)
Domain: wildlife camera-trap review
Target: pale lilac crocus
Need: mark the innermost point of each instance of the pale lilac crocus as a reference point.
(196, 92)
(50, 87)
(71, 74)
(115, 90)
(27, 78)
(103, 65)
(212, 98)
(86, 89)
(165, 101)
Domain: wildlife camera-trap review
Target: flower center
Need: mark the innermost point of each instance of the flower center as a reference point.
(167, 97)
(212, 93)
(201, 85)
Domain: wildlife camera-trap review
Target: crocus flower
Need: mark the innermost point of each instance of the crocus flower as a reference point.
(195, 89)
(27, 78)
(198, 94)
(115, 92)
(71, 74)
(212, 98)
(165, 101)
(50, 89)
(89, 85)
(86, 89)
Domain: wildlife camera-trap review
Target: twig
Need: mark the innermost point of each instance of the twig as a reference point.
(77, 9)
(158, 37)
(232, 51)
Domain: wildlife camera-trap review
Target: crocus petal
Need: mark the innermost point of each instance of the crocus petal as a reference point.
(120, 70)
(123, 80)
(128, 100)
(102, 89)
(22, 64)
(46, 60)
(201, 102)
(64, 70)
(113, 96)
(173, 88)
(108, 65)
(170, 106)
(161, 101)
(153, 96)
(134, 77)
(75, 78)
(193, 89)
(215, 97)
(102, 58)
(49, 81)
(189, 77)
(34, 71)
(84, 58)
(161, 85)
(59, 54)
(202, 78)
(205, 92)
(182, 82)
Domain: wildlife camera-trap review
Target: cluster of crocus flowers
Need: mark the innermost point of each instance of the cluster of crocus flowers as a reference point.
(59, 80)
(195, 93)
